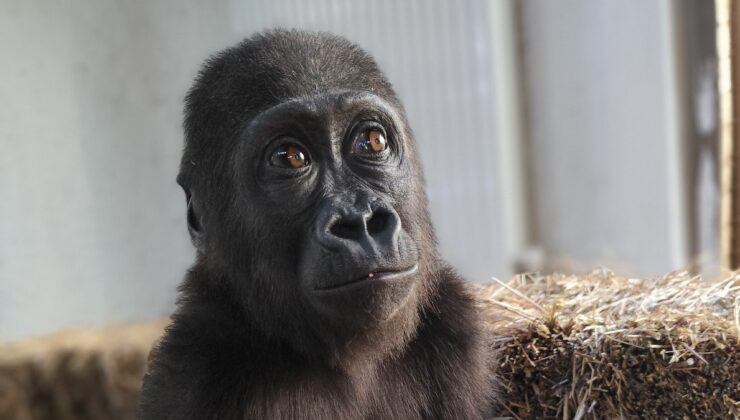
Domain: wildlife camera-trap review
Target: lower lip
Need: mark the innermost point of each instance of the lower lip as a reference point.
(376, 277)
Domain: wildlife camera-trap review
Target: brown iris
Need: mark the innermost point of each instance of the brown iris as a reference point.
(296, 158)
(377, 141)
(290, 156)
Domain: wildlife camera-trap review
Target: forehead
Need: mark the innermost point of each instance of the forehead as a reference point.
(322, 107)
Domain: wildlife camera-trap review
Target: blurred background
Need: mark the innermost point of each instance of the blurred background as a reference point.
(555, 135)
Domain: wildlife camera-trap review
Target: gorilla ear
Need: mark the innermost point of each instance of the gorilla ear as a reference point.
(195, 227)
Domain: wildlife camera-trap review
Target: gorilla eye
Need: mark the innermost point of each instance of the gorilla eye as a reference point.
(371, 142)
(290, 156)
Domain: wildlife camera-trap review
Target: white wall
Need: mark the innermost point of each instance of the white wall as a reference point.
(91, 219)
(604, 107)
(92, 227)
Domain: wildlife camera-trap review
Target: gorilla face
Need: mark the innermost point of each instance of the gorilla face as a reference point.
(306, 194)
(327, 171)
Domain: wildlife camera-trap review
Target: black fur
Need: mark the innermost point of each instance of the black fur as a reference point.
(266, 326)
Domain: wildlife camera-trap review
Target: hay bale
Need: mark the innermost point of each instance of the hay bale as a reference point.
(76, 375)
(604, 346)
(593, 346)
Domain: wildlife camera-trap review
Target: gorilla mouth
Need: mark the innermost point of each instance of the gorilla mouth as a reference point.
(373, 277)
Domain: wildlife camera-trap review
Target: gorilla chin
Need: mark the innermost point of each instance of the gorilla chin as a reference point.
(373, 298)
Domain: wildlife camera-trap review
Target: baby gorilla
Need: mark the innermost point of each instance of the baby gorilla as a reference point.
(318, 291)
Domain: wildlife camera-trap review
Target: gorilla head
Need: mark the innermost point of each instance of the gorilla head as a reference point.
(306, 203)
(305, 192)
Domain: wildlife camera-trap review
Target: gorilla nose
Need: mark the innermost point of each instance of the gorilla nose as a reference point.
(356, 226)
(374, 227)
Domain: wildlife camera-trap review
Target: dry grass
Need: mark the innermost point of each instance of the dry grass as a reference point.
(604, 346)
(76, 374)
(592, 346)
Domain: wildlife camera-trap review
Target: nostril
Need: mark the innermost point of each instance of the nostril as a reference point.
(377, 222)
(346, 230)
(355, 227)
